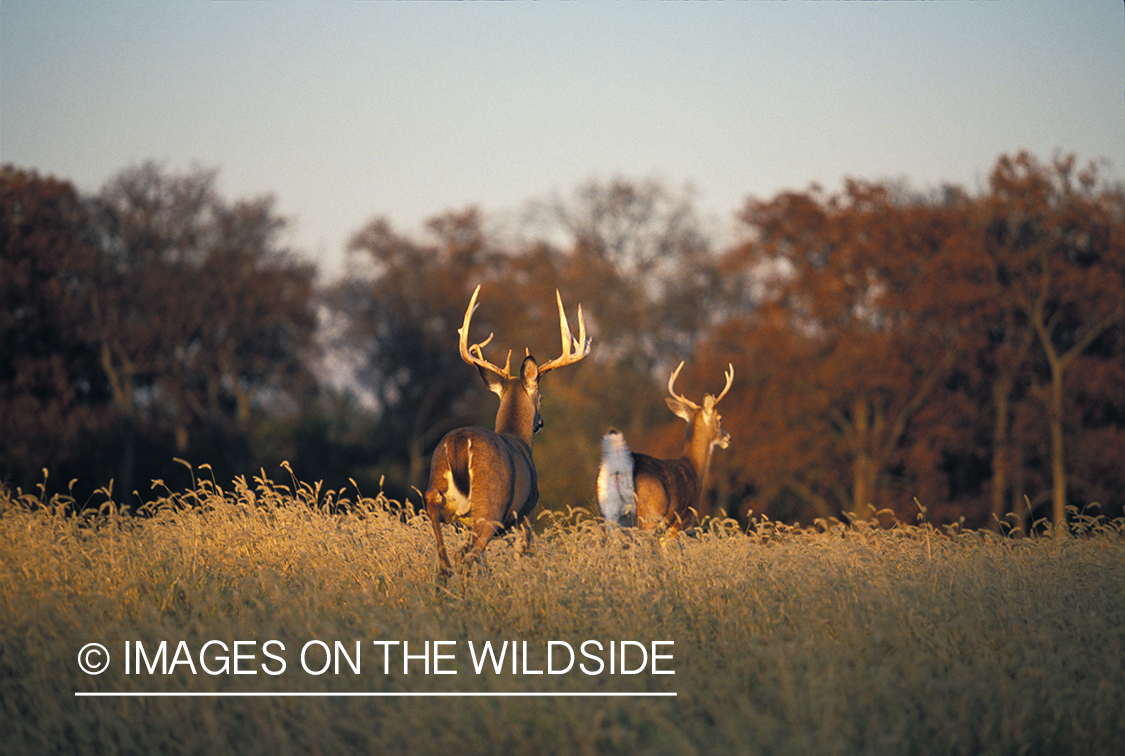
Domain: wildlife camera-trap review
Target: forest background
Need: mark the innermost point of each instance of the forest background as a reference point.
(893, 348)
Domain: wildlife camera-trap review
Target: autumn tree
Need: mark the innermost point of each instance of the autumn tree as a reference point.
(52, 397)
(1056, 237)
(201, 314)
(924, 343)
(851, 333)
(639, 254)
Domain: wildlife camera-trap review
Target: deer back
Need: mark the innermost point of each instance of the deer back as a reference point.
(665, 489)
(485, 475)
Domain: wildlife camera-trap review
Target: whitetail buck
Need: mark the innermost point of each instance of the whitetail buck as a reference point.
(636, 489)
(487, 479)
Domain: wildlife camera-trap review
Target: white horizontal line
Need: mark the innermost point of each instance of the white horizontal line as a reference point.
(367, 694)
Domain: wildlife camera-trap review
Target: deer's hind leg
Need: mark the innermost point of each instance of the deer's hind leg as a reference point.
(448, 497)
(435, 506)
(482, 532)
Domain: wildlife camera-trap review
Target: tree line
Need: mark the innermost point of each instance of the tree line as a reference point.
(892, 348)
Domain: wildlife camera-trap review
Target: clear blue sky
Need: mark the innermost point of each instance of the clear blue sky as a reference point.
(346, 109)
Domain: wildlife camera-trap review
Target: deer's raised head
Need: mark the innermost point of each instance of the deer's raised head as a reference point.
(519, 394)
(705, 424)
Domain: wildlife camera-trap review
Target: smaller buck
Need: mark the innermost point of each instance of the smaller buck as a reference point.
(487, 479)
(636, 489)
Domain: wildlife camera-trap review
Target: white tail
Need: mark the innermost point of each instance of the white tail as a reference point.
(638, 489)
(487, 479)
(616, 497)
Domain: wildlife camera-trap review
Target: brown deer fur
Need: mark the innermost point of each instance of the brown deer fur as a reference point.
(485, 478)
(637, 489)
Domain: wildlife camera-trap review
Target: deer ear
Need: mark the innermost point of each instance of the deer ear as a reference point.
(494, 382)
(529, 373)
(679, 409)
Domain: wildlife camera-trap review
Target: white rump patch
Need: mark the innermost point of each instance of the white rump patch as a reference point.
(616, 498)
(459, 504)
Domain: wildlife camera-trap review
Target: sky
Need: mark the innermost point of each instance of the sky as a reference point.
(349, 110)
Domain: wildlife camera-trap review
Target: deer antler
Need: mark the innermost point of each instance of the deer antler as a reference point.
(672, 390)
(474, 354)
(573, 349)
(690, 403)
(730, 380)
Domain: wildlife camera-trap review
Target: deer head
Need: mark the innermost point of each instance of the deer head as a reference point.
(704, 423)
(519, 395)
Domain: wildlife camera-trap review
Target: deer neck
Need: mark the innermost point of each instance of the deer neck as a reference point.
(698, 448)
(516, 416)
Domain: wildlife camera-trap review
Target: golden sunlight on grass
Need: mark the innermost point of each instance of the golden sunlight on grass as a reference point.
(838, 640)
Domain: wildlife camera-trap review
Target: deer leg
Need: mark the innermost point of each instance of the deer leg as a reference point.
(523, 538)
(435, 505)
(483, 531)
(465, 549)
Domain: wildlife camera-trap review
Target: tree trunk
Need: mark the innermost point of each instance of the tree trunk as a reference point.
(1020, 504)
(1058, 363)
(863, 486)
(121, 384)
(1001, 448)
(1058, 466)
(128, 462)
(863, 475)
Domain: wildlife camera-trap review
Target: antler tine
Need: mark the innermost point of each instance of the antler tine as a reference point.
(474, 354)
(672, 390)
(573, 349)
(730, 380)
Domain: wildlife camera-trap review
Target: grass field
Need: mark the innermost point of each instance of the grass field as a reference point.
(912, 640)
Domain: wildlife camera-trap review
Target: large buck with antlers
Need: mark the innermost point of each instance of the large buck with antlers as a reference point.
(487, 479)
(636, 489)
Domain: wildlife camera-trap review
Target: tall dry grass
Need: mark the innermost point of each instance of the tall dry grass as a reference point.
(833, 641)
